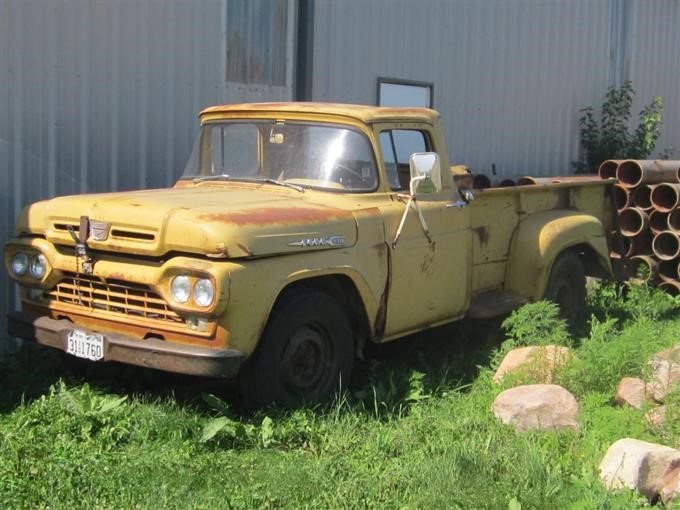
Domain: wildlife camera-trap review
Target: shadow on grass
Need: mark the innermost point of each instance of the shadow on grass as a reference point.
(447, 356)
(25, 375)
(29, 373)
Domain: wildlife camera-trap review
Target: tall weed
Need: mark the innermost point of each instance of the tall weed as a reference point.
(537, 324)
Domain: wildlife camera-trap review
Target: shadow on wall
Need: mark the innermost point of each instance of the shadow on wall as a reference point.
(32, 177)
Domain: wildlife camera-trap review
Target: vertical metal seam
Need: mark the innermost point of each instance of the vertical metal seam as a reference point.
(84, 91)
(224, 12)
(304, 62)
(170, 106)
(628, 39)
(143, 114)
(51, 21)
(291, 31)
(114, 95)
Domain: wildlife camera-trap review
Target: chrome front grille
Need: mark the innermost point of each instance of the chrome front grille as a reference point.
(114, 296)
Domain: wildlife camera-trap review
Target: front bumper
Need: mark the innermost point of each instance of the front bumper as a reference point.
(150, 353)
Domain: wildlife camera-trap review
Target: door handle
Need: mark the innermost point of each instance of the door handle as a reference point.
(459, 204)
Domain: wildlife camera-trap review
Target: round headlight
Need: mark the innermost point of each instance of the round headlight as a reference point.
(204, 292)
(19, 264)
(38, 266)
(181, 289)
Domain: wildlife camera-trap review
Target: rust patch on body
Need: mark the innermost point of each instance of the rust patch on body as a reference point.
(482, 234)
(381, 250)
(118, 276)
(428, 265)
(272, 215)
(216, 336)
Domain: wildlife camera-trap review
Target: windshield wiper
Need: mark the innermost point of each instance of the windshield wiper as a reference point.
(266, 180)
(269, 180)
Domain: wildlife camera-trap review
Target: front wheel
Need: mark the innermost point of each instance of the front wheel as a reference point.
(305, 354)
(567, 288)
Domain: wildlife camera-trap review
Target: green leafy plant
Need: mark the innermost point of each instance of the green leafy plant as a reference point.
(537, 324)
(610, 138)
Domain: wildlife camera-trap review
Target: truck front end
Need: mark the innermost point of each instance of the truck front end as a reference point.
(184, 279)
(84, 291)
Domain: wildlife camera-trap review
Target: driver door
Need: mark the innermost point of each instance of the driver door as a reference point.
(429, 278)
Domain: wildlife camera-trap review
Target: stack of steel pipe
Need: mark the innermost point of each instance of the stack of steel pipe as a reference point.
(647, 198)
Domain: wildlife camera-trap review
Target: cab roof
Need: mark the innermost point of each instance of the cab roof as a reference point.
(363, 113)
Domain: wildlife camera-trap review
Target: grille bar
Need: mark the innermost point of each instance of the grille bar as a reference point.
(117, 297)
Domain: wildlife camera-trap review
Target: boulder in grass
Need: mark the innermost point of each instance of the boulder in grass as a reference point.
(537, 406)
(656, 416)
(671, 487)
(665, 372)
(535, 362)
(633, 392)
(638, 465)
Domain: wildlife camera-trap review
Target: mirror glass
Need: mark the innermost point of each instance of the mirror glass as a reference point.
(425, 173)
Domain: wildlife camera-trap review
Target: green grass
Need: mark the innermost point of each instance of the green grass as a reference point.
(414, 431)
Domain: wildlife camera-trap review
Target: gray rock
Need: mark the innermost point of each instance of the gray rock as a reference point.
(638, 465)
(671, 486)
(633, 392)
(537, 406)
(535, 362)
(665, 367)
(656, 416)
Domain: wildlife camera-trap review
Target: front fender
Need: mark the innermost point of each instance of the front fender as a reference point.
(256, 285)
(540, 238)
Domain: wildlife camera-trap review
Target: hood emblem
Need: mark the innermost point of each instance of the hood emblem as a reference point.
(312, 242)
(99, 230)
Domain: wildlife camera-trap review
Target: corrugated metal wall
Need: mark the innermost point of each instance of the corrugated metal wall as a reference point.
(655, 63)
(102, 96)
(510, 76)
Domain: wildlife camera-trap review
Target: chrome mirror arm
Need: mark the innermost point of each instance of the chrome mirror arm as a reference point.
(412, 200)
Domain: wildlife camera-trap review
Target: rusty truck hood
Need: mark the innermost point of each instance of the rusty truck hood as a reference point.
(225, 221)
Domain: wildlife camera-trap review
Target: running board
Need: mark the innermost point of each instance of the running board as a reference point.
(492, 303)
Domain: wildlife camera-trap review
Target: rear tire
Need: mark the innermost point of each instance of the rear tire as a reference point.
(305, 355)
(567, 288)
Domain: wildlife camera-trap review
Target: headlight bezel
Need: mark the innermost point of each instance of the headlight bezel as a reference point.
(197, 288)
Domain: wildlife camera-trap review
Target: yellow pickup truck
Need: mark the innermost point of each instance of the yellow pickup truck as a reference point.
(297, 233)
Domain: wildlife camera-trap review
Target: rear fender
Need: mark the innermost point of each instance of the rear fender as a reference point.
(538, 241)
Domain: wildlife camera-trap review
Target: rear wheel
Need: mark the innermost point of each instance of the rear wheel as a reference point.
(305, 354)
(567, 288)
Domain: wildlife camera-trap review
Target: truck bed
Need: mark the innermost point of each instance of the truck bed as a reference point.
(496, 213)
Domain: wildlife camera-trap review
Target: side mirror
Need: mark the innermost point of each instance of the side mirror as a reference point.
(426, 177)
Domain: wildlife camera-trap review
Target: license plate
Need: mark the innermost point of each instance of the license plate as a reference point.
(84, 345)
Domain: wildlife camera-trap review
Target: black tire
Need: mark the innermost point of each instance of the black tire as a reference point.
(305, 355)
(567, 288)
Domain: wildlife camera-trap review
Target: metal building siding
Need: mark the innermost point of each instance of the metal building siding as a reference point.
(655, 64)
(104, 96)
(509, 76)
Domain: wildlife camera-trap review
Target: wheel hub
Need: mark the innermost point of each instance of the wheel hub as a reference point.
(304, 359)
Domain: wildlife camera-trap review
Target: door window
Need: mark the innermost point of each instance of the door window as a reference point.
(397, 145)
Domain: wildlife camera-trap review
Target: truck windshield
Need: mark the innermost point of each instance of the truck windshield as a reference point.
(323, 156)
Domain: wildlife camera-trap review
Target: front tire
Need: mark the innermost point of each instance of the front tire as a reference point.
(567, 288)
(306, 352)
